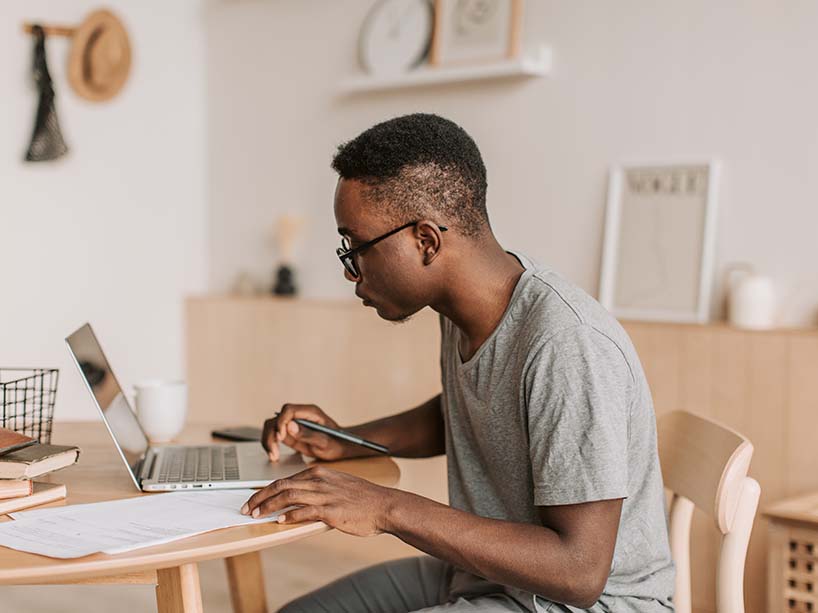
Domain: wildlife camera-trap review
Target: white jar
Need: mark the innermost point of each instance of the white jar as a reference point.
(752, 300)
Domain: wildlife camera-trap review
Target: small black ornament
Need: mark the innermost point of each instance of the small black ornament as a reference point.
(285, 281)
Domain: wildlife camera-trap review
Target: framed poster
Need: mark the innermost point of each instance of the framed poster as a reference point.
(468, 31)
(657, 261)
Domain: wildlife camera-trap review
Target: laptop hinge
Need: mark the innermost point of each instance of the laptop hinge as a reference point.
(146, 465)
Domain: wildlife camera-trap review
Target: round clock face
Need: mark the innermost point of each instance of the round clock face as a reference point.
(396, 35)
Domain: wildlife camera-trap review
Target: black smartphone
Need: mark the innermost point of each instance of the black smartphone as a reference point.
(241, 433)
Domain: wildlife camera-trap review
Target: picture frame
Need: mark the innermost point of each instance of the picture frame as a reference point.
(474, 31)
(660, 225)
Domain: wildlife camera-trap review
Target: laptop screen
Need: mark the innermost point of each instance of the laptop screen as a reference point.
(111, 401)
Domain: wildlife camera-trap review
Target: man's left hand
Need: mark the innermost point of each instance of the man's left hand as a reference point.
(350, 504)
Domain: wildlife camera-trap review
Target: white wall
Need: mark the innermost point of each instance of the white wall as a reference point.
(115, 233)
(632, 80)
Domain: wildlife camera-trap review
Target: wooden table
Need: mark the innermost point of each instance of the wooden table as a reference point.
(100, 475)
(792, 569)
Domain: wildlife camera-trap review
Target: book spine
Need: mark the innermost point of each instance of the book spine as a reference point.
(12, 488)
(43, 493)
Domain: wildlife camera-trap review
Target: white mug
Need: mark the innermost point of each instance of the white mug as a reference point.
(161, 407)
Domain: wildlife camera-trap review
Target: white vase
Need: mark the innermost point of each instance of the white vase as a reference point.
(752, 300)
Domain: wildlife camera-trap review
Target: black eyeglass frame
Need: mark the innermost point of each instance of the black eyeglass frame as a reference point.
(346, 255)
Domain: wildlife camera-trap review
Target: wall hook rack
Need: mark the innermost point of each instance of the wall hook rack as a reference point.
(51, 30)
(99, 61)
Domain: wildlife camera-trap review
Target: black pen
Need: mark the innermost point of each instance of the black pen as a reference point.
(344, 436)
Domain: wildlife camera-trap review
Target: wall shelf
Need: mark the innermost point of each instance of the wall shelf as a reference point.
(537, 64)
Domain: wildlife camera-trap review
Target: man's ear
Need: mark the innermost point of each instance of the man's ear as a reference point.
(429, 239)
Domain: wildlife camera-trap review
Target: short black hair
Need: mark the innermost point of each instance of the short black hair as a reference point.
(420, 166)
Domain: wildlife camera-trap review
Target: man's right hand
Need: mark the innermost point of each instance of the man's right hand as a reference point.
(282, 429)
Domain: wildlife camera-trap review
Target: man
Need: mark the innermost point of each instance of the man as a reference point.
(556, 499)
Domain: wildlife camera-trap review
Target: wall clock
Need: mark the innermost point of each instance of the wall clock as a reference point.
(396, 36)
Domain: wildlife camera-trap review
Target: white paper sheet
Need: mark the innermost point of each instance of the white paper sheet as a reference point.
(123, 525)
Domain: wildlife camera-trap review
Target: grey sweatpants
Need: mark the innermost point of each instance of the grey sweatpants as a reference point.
(418, 584)
(399, 586)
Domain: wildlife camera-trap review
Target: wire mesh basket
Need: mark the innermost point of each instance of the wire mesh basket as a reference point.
(27, 398)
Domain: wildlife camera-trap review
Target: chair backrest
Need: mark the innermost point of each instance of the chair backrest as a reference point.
(705, 465)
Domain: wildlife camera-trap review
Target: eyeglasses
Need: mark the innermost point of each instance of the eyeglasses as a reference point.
(346, 253)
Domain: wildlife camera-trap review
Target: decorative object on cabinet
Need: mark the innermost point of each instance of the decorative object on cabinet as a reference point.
(751, 298)
(285, 281)
(396, 36)
(285, 233)
(100, 58)
(244, 284)
(476, 31)
(659, 235)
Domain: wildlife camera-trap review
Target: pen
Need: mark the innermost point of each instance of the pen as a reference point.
(346, 436)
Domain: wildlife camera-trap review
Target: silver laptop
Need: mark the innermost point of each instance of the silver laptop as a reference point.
(170, 467)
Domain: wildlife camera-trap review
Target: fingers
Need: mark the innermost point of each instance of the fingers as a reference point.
(304, 411)
(275, 488)
(304, 440)
(297, 434)
(302, 448)
(286, 500)
(282, 429)
(296, 440)
(309, 513)
(299, 489)
(316, 472)
(269, 439)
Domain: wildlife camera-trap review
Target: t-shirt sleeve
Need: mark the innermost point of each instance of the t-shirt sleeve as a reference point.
(578, 396)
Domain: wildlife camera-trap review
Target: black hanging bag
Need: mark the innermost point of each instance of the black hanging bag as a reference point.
(46, 142)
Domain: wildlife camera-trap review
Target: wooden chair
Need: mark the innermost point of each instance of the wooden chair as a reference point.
(705, 465)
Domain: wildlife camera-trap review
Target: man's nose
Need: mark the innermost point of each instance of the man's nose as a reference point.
(348, 276)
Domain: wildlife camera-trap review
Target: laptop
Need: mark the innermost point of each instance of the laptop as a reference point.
(170, 467)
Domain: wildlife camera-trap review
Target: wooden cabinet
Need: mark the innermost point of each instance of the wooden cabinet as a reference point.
(763, 384)
(247, 357)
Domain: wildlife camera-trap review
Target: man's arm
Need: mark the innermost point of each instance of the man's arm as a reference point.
(566, 559)
(416, 433)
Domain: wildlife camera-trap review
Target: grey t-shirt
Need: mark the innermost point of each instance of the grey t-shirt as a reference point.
(554, 409)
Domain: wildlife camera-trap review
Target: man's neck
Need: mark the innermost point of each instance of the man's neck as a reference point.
(477, 299)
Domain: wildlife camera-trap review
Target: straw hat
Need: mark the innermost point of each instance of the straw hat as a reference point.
(100, 57)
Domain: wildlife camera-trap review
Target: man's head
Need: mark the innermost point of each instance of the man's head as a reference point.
(416, 168)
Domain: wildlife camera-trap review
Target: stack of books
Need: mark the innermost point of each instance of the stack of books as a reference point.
(22, 459)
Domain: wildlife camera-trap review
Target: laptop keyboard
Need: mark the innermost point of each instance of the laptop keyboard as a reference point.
(189, 464)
